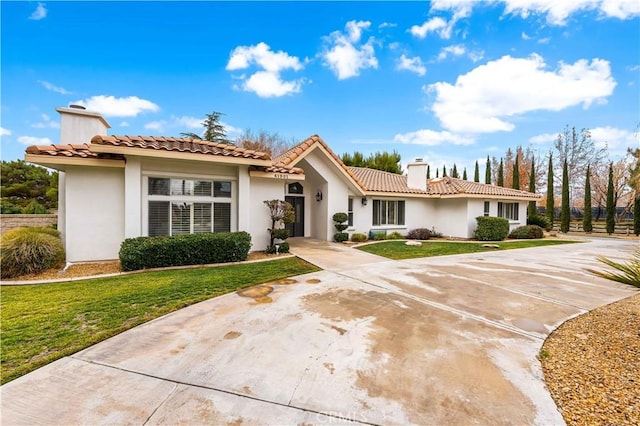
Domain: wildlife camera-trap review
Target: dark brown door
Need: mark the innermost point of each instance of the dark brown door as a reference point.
(296, 229)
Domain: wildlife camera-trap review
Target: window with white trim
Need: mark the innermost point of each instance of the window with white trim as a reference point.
(388, 212)
(487, 206)
(350, 212)
(508, 210)
(188, 206)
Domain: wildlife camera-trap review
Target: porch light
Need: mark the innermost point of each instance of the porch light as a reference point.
(364, 201)
(319, 196)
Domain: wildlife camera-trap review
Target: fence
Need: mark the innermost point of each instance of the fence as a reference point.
(11, 221)
(598, 228)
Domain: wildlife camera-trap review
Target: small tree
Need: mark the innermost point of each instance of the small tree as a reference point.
(550, 200)
(476, 173)
(531, 210)
(565, 212)
(636, 214)
(281, 213)
(444, 171)
(516, 173)
(611, 205)
(487, 172)
(501, 173)
(340, 220)
(454, 172)
(464, 174)
(428, 172)
(587, 224)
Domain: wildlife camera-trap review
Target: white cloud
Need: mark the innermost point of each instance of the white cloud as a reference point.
(613, 138)
(433, 138)
(557, 12)
(268, 81)
(460, 8)
(32, 140)
(124, 124)
(460, 50)
(189, 122)
(118, 107)
(387, 25)
(344, 57)
(54, 88)
(46, 123)
(5, 132)
(39, 13)
(157, 126)
(231, 130)
(436, 24)
(543, 138)
(412, 64)
(634, 67)
(525, 36)
(544, 40)
(481, 100)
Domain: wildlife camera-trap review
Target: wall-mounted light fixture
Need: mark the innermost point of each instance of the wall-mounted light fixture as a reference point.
(364, 201)
(319, 196)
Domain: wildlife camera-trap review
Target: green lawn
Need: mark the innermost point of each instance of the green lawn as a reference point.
(41, 323)
(398, 250)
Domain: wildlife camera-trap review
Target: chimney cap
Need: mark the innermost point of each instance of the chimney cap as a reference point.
(76, 106)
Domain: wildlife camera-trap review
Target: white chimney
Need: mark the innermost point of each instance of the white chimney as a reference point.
(78, 126)
(417, 175)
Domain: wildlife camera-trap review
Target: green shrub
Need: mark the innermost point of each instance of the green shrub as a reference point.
(419, 234)
(340, 219)
(491, 228)
(541, 221)
(529, 232)
(280, 234)
(395, 236)
(30, 250)
(340, 237)
(190, 249)
(358, 237)
(282, 248)
(379, 236)
(34, 207)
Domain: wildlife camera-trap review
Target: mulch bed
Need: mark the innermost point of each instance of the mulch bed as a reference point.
(592, 365)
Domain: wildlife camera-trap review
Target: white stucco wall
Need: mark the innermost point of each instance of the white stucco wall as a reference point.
(94, 201)
(451, 217)
(261, 190)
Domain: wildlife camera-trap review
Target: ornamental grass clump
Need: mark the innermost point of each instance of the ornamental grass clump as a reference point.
(30, 250)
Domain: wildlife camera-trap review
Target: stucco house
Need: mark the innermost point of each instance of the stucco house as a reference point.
(117, 187)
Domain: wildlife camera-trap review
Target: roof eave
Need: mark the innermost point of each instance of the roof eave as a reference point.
(59, 162)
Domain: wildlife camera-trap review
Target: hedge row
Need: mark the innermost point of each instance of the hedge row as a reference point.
(190, 249)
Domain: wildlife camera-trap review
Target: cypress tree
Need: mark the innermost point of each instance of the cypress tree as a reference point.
(532, 188)
(516, 173)
(428, 172)
(565, 212)
(454, 172)
(476, 173)
(550, 200)
(611, 207)
(501, 173)
(586, 218)
(636, 214)
(437, 171)
(487, 172)
(444, 171)
(464, 174)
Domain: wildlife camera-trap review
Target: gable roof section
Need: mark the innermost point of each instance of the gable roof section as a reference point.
(294, 155)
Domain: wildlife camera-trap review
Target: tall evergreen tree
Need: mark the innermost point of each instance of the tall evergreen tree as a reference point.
(611, 207)
(550, 200)
(531, 210)
(636, 214)
(565, 212)
(437, 171)
(428, 172)
(516, 173)
(487, 172)
(454, 172)
(476, 173)
(587, 224)
(444, 171)
(214, 130)
(501, 173)
(464, 174)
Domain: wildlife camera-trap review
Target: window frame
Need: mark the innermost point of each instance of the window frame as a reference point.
(509, 211)
(383, 209)
(487, 208)
(350, 212)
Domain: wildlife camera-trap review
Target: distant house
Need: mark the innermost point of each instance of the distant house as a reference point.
(117, 187)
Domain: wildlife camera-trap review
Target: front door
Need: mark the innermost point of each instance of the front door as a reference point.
(296, 229)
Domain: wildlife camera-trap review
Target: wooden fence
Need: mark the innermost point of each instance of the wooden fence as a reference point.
(598, 228)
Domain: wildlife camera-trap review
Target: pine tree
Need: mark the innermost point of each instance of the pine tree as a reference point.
(428, 172)
(501, 173)
(565, 212)
(487, 172)
(531, 210)
(611, 206)
(636, 214)
(587, 224)
(550, 200)
(476, 173)
(444, 171)
(464, 174)
(516, 173)
(454, 172)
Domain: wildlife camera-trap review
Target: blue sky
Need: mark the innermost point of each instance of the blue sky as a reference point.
(448, 81)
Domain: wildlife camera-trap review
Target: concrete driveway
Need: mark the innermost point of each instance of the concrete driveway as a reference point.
(447, 340)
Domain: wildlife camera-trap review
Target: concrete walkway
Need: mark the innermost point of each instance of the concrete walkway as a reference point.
(447, 340)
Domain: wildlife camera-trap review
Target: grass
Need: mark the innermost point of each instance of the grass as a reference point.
(42, 323)
(398, 250)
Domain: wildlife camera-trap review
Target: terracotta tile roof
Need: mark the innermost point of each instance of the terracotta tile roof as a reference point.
(379, 181)
(75, 150)
(289, 156)
(179, 144)
(276, 169)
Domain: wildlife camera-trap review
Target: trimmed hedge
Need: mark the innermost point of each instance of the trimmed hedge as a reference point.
(491, 228)
(529, 232)
(30, 250)
(541, 221)
(190, 249)
(340, 237)
(419, 234)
